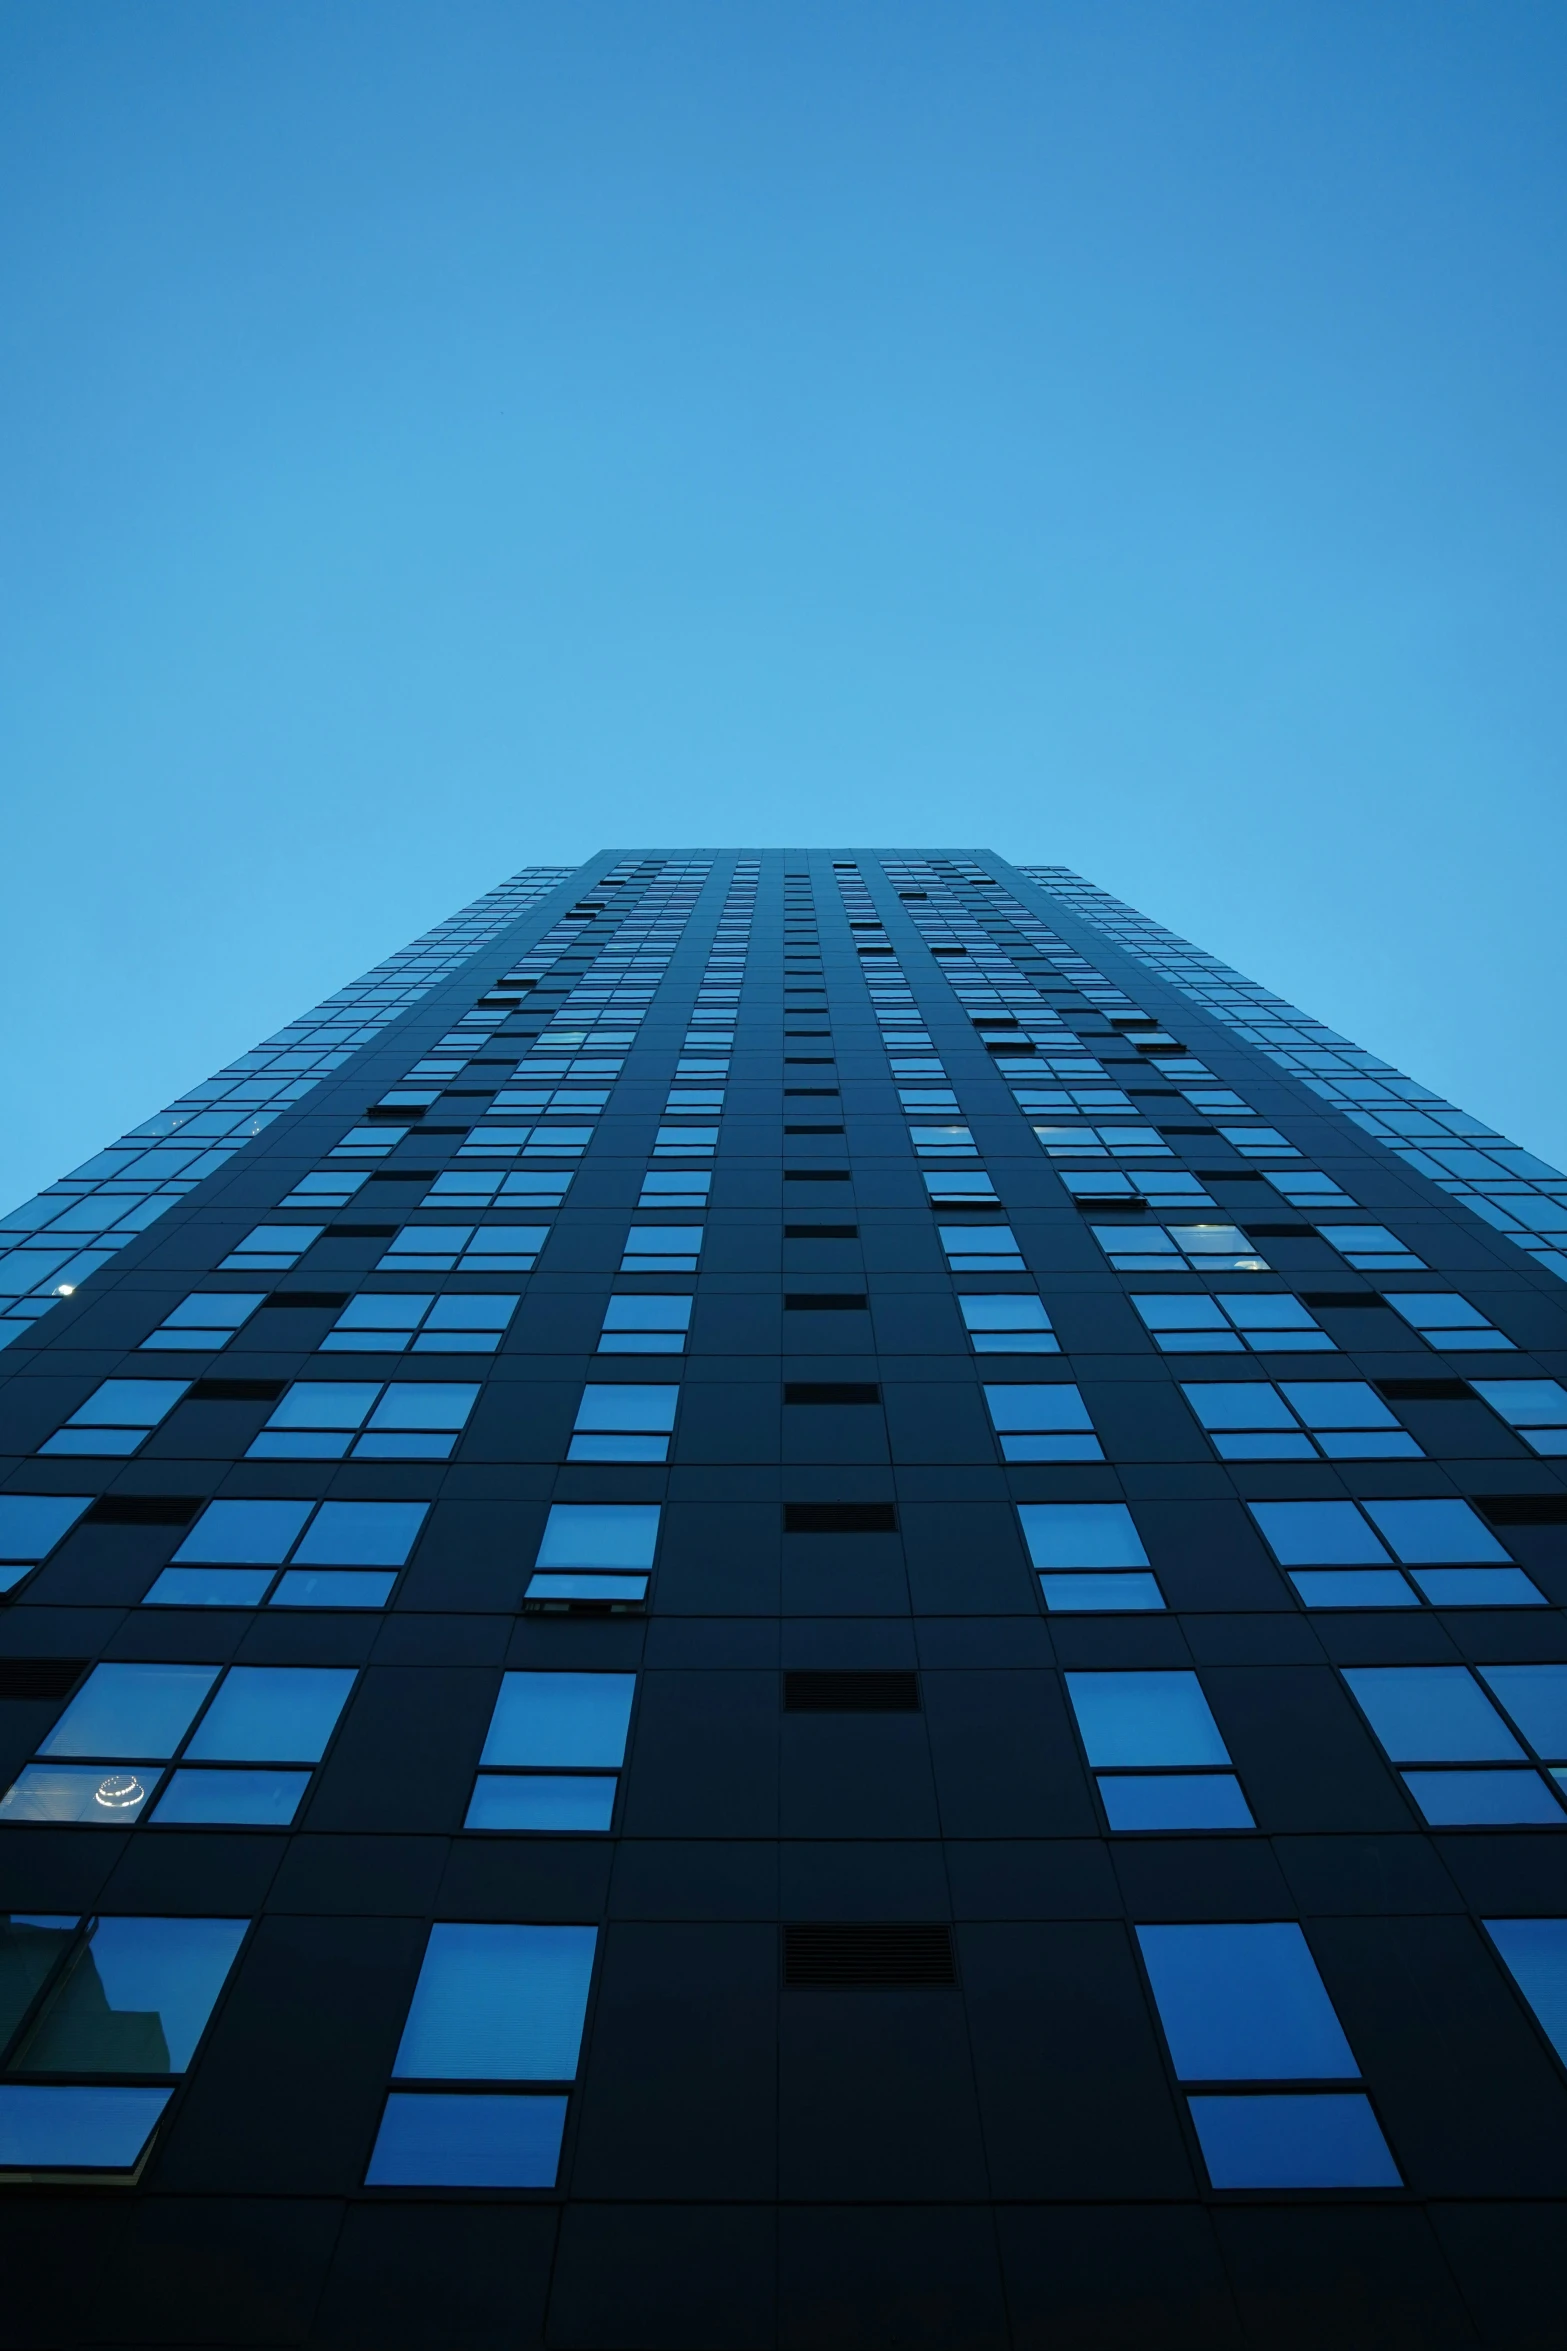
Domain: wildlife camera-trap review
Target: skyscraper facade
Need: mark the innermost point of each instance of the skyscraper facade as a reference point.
(787, 1599)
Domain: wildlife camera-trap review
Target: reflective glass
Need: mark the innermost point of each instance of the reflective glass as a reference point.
(1147, 1718)
(1174, 1800)
(361, 1534)
(1498, 1799)
(209, 1587)
(1079, 1594)
(240, 1799)
(441, 2139)
(1243, 2003)
(136, 1999)
(66, 2128)
(1535, 1950)
(560, 1718)
(499, 2003)
(626, 1407)
(1431, 1714)
(1430, 1532)
(1477, 1587)
(235, 1533)
(1536, 1698)
(1318, 1534)
(130, 1710)
(30, 1948)
(91, 1795)
(562, 1803)
(272, 1714)
(1275, 2140)
(600, 1534)
(1081, 1534)
(32, 1524)
(331, 1588)
(1353, 1587)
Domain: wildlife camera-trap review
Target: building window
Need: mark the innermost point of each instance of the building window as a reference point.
(1371, 1247)
(1259, 1142)
(1155, 1750)
(685, 1142)
(1089, 1557)
(1448, 1323)
(206, 1320)
(503, 1139)
(1308, 1188)
(951, 1190)
(664, 1187)
(365, 1420)
(624, 1423)
(662, 1248)
(1007, 1325)
(1180, 1248)
(646, 1325)
(465, 1248)
(1466, 1763)
(1149, 1188)
(326, 1187)
(30, 1527)
(981, 1248)
(1042, 1421)
(291, 1554)
(117, 1418)
(1271, 1324)
(953, 1142)
(556, 1742)
(234, 1748)
(1537, 1409)
(1340, 1555)
(369, 1142)
(108, 2012)
(1299, 1420)
(271, 1248)
(1103, 1142)
(594, 1555)
(1534, 1950)
(473, 1187)
(470, 1322)
(487, 2059)
(1245, 2005)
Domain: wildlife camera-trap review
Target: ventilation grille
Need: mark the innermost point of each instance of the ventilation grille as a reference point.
(143, 1510)
(816, 1175)
(821, 1232)
(882, 1953)
(1524, 1510)
(812, 1692)
(40, 1677)
(840, 1518)
(235, 1391)
(825, 1301)
(831, 1392)
(1424, 1391)
(332, 1298)
(403, 1175)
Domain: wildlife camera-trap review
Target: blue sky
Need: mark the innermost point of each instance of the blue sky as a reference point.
(435, 438)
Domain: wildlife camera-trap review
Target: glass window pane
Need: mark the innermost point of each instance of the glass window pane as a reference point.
(627, 1407)
(272, 1714)
(128, 1404)
(1318, 1534)
(1497, 1799)
(244, 1532)
(1338, 1404)
(560, 1718)
(324, 1404)
(1036, 1406)
(499, 2003)
(65, 2128)
(1003, 1314)
(332, 1587)
(1075, 1594)
(131, 1710)
(417, 1404)
(565, 1804)
(30, 1948)
(1353, 1587)
(1175, 1800)
(1526, 1404)
(136, 2000)
(1237, 1404)
(647, 1314)
(87, 1793)
(1427, 1533)
(1535, 1949)
(1279, 2141)
(240, 1799)
(1132, 1718)
(1477, 1587)
(1243, 2003)
(361, 1534)
(467, 2140)
(1081, 1534)
(482, 1313)
(1536, 1698)
(371, 1312)
(32, 1524)
(600, 1534)
(1431, 1714)
(209, 1587)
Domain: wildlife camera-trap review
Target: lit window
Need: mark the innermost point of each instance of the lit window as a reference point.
(1246, 2004)
(1537, 1409)
(594, 1556)
(465, 1248)
(1089, 1557)
(325, 1188)
(331, 1420)
(647, 1325)
(662, 1248)
(1340, 1420)
(981, 1248)
(1272, 1324)
(1006, 1325)
(290, 1554)
(1371, 1247)
(1181, 1248)
(117, 1418)
(1464, 1763)
(1158, 1759)
(1446, 1322)
(206, 1319)
(624, 1423)
(480, 1188)
(109, 2012)
(555, 1744)
(1339, 1553)
(1042, 1421)
(495, 2007)
(667, 1188)
(131, 1725)
(471, 1323)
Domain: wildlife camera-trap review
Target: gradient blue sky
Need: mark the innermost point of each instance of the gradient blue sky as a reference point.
(439, 437)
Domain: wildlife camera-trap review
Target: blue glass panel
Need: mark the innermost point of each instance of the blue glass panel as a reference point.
(32, 1524)
(244, 1533)
(210, 1587)
(1353, 1587)
(272, 1714)
(1078, 1594)
(128, 1403)
(502, 2003)
(1536, 1951)
(1132, 1718)
(1081, 1534)
(1243, 2003)
(467, 2139)
(30, 1948)
(1175, 1800)
(361, 1534)
(1433, 1532)
(1431, 1714)
(70, 2129)
(93, 1795)
(539, 1801)
(625, 1406)
(560, 1718)
(1500, 1799)
(324, 1404)
(141, 1710)
(1478, 1587)
(1318, 1534)
(1536, 1698)
(1278, 2141)
(329, 1587)
(600, 1534)
(137, 1998)
(244, 1799)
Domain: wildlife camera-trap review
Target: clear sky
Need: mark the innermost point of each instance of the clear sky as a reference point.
(439, 435)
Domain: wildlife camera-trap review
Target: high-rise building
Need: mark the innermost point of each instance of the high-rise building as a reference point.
(804, 1599)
